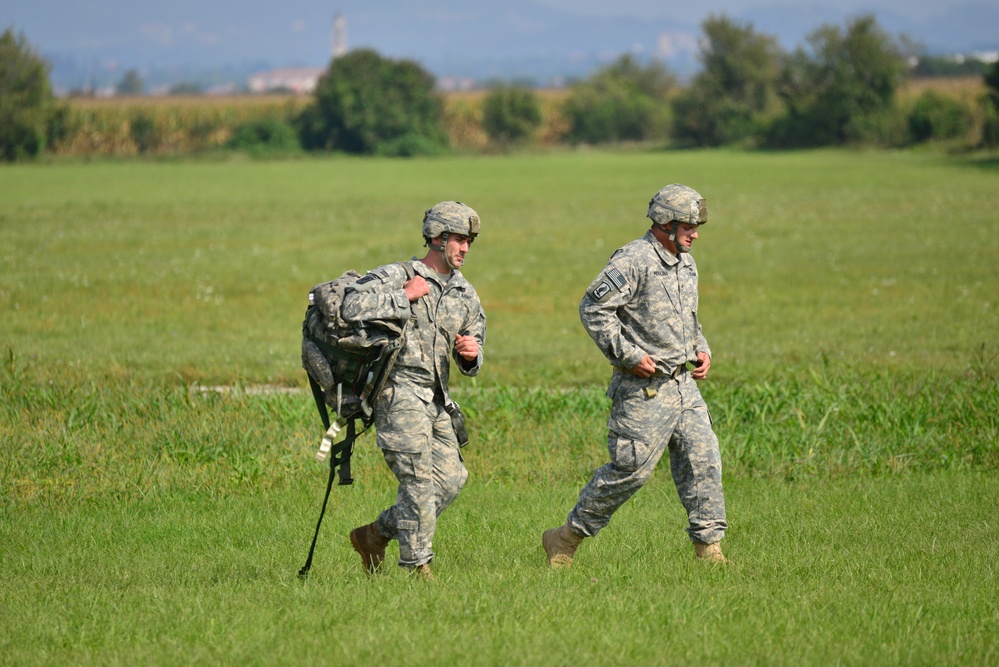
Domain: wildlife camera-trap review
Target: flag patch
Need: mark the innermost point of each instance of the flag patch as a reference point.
(613, 280)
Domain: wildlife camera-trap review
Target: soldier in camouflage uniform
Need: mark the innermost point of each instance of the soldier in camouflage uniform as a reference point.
(415, 431)
(641, 311)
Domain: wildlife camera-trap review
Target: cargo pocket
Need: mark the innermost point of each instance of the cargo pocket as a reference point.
(401, 422)
(627, 454)
(627, 415)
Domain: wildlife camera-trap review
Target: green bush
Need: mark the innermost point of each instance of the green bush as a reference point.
(885, 127)
(511, 113)
(703, 119)
(266, 135)
(937, 116)
(145, 134)
(624, 101)
(365, 100)
(990, 124)
(410, 145)
(28, 109)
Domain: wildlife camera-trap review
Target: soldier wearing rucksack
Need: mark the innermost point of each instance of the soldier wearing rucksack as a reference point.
(419, 427)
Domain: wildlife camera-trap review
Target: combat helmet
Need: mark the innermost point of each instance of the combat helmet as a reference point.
(450, 217)
(674, 204)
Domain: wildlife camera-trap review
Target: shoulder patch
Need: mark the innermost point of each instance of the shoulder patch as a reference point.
(612, 280)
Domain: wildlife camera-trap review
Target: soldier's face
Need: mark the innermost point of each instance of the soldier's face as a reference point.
(685, 235)
(456, 248)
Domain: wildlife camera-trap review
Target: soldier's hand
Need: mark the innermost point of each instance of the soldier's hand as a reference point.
(467, 347)
(416, 287)
(645, 368)
(703, 364)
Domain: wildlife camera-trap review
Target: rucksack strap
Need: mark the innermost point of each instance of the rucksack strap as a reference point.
(317, 393)
(340, 457)
(409, 269)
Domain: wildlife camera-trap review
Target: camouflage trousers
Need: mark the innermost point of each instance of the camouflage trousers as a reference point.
(420, 448)
(647, 417)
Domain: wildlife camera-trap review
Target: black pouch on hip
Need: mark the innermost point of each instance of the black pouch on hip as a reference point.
(457, 423)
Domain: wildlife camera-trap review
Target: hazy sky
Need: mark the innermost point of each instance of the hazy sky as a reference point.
(450, 35)
(661, 8)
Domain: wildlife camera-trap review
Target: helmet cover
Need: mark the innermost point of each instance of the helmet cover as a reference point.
(680, 203)
(452, 217)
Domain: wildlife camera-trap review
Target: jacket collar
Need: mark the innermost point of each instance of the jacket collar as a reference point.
(457, 280)
(668, 258)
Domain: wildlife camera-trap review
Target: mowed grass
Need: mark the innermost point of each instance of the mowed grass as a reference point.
(849, 298)
(863, 571)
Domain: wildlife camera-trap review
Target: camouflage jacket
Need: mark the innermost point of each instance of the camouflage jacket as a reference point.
(645, 302)
(432, 321)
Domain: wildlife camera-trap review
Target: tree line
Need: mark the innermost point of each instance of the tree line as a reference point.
(840, 87)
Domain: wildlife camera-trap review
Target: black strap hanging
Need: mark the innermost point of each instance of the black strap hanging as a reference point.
(339, 458)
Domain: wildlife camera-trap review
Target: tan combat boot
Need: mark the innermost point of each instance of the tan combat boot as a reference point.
(368, 541)
(709, 553)
(424, 572)
(560, 545)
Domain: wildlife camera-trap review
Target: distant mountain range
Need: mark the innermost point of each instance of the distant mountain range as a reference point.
(93, 43)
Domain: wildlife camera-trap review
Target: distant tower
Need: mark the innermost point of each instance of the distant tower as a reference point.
(339, 36)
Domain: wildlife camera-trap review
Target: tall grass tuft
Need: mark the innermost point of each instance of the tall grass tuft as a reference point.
(125, 439)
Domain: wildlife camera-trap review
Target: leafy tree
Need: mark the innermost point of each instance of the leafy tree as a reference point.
(28, 109)
(737, 88)
(990, 124)
(991, 78)
(942, 66)
(130, 84)
(623, 101)
(844, 82)
(511, 113)
(365, 103)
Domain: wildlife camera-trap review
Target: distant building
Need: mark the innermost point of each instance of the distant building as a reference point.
(299, 80)
(451, 84)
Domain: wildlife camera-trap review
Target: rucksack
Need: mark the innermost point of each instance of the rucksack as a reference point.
(347, 364)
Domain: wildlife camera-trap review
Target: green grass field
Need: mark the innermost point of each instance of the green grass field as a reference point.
(850, 299)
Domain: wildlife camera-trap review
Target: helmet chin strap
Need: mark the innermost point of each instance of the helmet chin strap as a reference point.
(443, 249)
(680, 248)
(671, 230)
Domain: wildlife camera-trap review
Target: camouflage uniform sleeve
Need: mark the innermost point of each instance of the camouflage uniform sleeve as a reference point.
(378, 295)
(598, 311)
(474, 326)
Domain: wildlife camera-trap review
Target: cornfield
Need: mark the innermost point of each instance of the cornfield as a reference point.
(167, 125)
(177, 125)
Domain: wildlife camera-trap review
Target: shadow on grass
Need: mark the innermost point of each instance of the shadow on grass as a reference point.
(985, 161)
